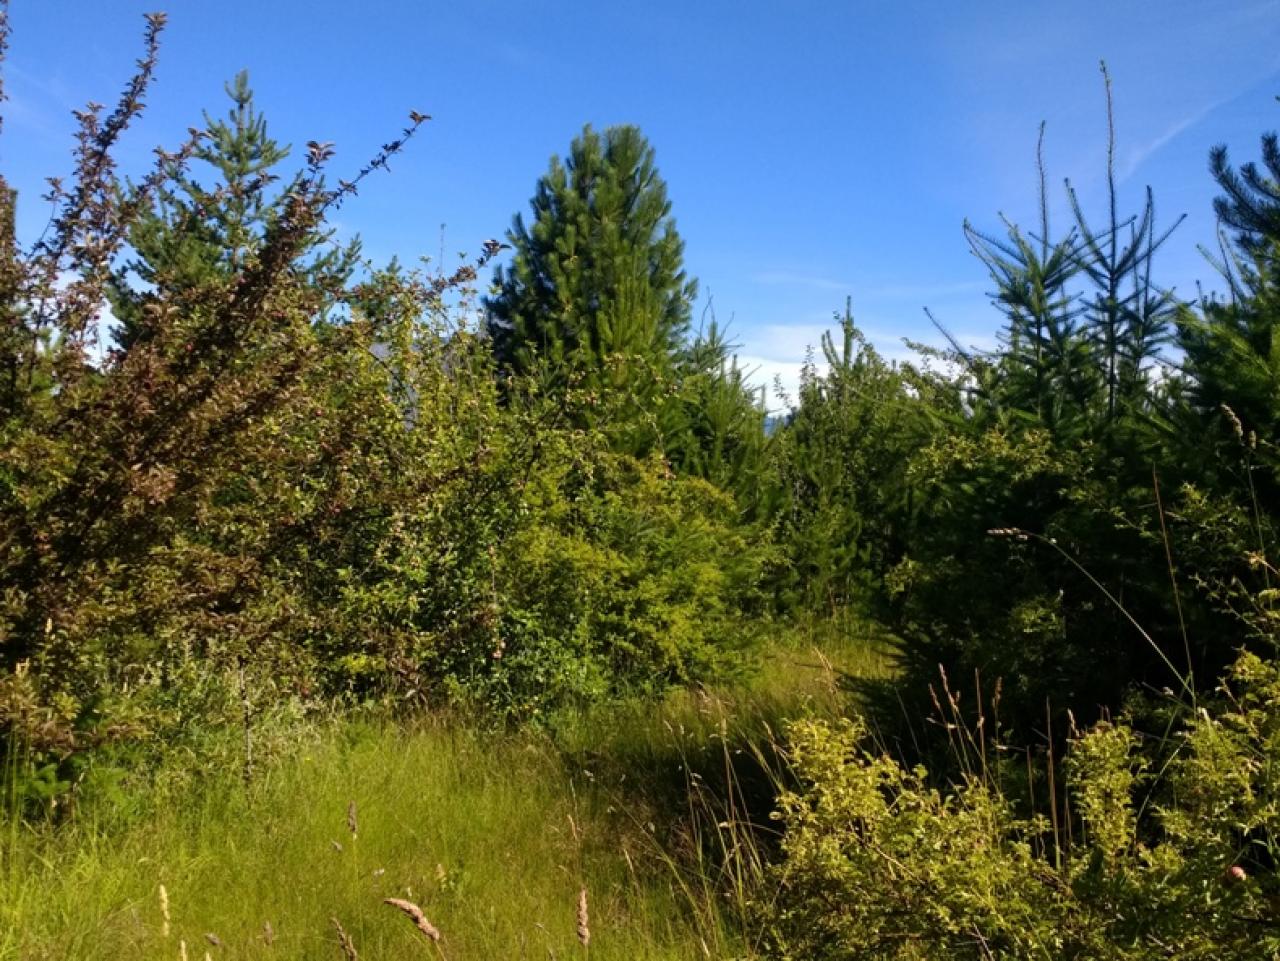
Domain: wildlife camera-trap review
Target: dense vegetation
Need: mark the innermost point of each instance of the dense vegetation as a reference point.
(289, 490)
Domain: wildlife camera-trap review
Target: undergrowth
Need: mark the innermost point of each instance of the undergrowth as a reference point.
(492, 834)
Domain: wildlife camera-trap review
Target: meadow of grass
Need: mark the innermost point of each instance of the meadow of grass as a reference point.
(653, 809)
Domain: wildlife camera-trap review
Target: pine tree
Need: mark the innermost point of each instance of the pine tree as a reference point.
(842, 470)
(1250, 202)
(1232, 346)
(1128, 317)
(194, 236)
(596, 295)
(716, 428)
(1085, 320)
(1045, 366)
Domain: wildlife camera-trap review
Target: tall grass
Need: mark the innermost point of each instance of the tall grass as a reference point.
(649, 808)
(487, 833)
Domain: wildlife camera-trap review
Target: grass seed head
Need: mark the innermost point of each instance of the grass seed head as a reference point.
(164, 912)
(584, 925)
(414, 913)
(345, 942)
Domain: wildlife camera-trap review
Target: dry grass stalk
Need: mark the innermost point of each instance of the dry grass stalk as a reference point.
(345, 942)
(164, 912)
(584, 925)
(414, 913)
(182, 951)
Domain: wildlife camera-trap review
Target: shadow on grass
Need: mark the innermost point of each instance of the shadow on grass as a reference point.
(703, 768)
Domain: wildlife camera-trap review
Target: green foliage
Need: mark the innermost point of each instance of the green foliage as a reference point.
(197, 491)
(1232, 346)
(1069, 438)
(1250, 201)
(714, 428)
(295, 477)
(841, 493)
(879, 863)
(620, 577)
(191, 236)
(595, 308)
(305, 472)
(596, 294)
(1078, 359)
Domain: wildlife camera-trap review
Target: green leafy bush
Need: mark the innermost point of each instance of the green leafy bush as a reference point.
(1154, 849)
(289, 473)
(620, 576)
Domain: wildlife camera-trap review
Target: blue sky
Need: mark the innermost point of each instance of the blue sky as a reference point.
(812, 150)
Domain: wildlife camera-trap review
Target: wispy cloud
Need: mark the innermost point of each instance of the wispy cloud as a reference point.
(1138, 155)
(787, 278)
(19, 111)
(786, 342)
(861, 291)
(39, 106)
(51, 88)
(924, 291)
(1247, 18)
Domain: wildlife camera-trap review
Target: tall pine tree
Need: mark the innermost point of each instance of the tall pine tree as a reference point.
(596, 297)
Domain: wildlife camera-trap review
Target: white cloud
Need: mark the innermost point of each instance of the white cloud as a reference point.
(787, 278)
(785, 341)
(769, 373)
(775, 355)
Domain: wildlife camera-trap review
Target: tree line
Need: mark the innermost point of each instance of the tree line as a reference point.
(287, 472)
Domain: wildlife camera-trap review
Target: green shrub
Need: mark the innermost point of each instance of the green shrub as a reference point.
(296, 470)
(1160, 850)
(619, 576)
